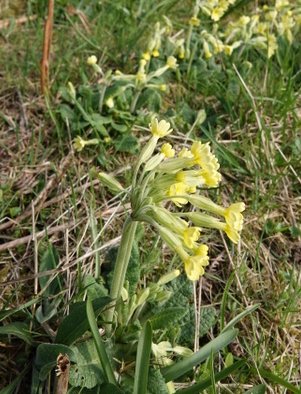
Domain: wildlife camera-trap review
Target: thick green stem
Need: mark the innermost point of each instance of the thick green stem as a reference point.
(122, 261)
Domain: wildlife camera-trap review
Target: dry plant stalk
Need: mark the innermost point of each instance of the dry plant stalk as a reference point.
(62, 372)
(46, 48)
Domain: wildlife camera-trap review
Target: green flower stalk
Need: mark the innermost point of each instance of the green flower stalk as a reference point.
(164, 176)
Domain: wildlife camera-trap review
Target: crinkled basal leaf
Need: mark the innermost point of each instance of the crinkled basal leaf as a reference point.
(168, 316)
(127, 143)
(151, 99)
(207, 319)
(183, 289)
(87, 371)
(94, 289)
(156, 382)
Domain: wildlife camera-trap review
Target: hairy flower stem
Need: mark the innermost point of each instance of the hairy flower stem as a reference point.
(135, 100)
(121, 264)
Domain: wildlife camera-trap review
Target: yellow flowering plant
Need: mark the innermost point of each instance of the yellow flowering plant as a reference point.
(177, 178)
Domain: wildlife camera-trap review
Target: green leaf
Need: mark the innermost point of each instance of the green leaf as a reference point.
(47, 310)
(66, 112)
(94, 289)
(97, 121)
(156, 383)
(207, 319)
(122, 128)
(17, 329)
(46, 356)
(143, 359)
(76, 323)
(240, 316)
(279, 380)
(200, 386)
(49, 261)
(229, 360)
(180, 368)
(14, 211)
(259, 389)
(100, 346)
(150, 99)
(87, 371)
(168, 316)
(128, 143)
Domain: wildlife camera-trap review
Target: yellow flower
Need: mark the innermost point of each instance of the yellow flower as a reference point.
(141, 76)
(281, 4)
(167, 150)
(206, 49)
(110, 102)
(212, 178)
(185, 153)
(194, 265)
(191, 236)
(208, 163)
(181, 52)
(146, 56)
(243, 21)
(177, 189)
(163, 87)
(171, 62)
(191, 178)
(228, 49)
(272, 44)
(79, 143)
(159, 129)
(194, 21)
(92, 60)
(217, 13)
(234, 221)
(156, 53)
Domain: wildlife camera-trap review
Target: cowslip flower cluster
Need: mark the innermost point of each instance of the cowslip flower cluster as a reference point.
(154, 42)
(170, 176)
(216, 8)
(262, 29)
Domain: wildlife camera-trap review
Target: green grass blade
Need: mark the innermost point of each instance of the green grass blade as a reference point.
(198, 387)
(279, 380)
(143, 359)
(100, 347)
(181, 367)
(212, 375)
(240, 316)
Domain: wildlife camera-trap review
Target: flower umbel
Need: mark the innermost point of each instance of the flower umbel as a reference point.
(175, 177)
